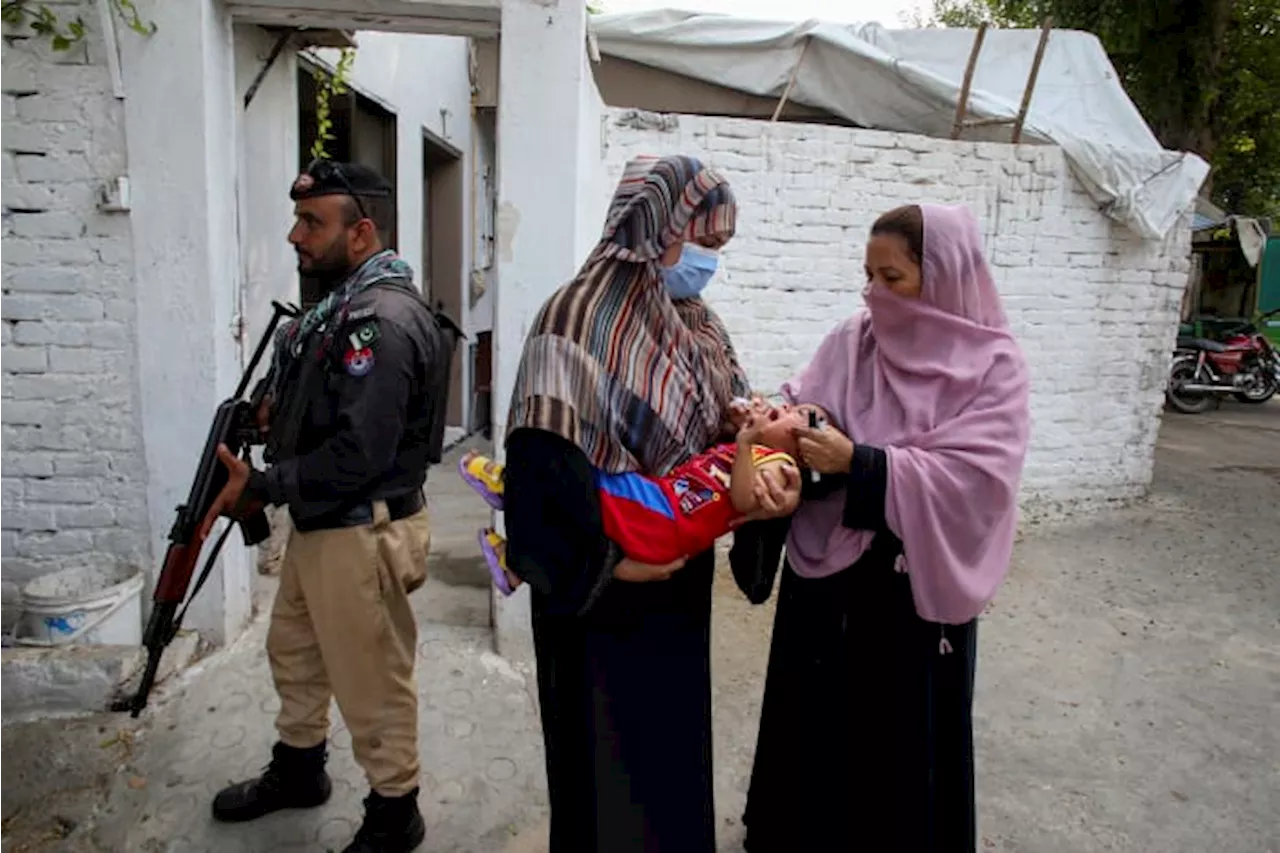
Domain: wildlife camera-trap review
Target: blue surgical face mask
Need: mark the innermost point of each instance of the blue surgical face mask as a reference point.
(689, 276)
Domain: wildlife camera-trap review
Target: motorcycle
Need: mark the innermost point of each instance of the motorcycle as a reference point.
(1244, 364)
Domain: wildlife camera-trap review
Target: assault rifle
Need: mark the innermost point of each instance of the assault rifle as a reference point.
(235, 425)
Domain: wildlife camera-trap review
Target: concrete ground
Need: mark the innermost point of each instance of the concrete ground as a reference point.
(1128, 693)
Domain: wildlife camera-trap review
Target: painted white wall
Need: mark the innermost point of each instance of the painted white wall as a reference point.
(267, 139)
(74, 484)
(540, 140)
(1094, 306)
(180, 124)
(595, 181)
(483, 214)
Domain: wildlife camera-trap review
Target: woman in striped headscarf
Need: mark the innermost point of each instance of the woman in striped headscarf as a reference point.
(624, 369)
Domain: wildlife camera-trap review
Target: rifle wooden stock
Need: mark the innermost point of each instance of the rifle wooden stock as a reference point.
(175, 574)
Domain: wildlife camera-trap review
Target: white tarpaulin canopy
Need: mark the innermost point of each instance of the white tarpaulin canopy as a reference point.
(909, 81)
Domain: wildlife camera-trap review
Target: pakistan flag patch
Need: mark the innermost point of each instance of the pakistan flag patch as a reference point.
(359, 359)
(363, 337)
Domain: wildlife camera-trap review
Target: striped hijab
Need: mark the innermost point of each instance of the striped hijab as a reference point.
(638, 382)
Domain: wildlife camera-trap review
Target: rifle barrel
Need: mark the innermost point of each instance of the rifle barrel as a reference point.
(277, 311)
(139, 700)
(157, 635)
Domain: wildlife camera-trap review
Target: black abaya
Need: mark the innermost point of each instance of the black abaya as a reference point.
(866, 736)
(624, 674)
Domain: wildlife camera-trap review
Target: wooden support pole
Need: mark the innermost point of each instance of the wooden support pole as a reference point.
(1031, 80)
(795, 72)
(281, 41)
(963, 104)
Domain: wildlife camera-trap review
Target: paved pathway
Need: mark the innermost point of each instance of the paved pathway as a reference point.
(480, 748)
(480, 744)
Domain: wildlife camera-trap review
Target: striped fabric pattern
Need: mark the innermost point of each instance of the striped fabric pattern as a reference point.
(638, 382)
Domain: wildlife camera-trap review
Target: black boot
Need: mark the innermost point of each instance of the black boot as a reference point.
(295, 779)
(391, 825)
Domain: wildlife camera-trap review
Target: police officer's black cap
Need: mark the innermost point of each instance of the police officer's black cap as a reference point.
(329, 177)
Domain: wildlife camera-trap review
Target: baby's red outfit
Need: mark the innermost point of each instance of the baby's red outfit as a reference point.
(657, 520)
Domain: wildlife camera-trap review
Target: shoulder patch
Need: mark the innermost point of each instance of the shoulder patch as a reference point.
(358, 361)
(364, 336)
(360, 314)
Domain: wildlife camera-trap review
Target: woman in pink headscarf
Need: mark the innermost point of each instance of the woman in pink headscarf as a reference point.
(866, 735)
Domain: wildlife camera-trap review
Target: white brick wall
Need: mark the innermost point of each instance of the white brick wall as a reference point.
(1094, 306)
(73, 470)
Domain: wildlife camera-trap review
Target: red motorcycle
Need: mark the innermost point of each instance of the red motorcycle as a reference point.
(1244, 364)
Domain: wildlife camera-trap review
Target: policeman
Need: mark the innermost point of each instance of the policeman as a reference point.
(352, 404)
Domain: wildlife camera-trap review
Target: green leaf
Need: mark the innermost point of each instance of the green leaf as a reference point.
(44, 22)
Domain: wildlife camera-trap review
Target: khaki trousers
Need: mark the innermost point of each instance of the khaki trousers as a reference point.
(342, 627)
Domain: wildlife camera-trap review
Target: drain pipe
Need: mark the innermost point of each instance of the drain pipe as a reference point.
(113, 50)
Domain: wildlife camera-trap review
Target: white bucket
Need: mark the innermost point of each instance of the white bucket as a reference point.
(92, 605)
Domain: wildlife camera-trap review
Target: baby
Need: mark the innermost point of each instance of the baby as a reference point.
(658, 520)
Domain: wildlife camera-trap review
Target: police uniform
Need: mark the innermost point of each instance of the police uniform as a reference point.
(356, 420)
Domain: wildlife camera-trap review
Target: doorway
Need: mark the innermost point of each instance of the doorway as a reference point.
(443, 231)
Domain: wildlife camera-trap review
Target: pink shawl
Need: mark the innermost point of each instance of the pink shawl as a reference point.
(939, 383)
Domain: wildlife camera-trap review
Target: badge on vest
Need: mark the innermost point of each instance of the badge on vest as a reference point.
(363, 337)
(358, 361)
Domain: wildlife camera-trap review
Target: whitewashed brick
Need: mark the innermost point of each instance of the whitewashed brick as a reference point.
(26, 412)
(874, 139)
(97, 465)
(63, 543)
(59, 107)
(81, 517)
(1076, 285)
(18, 196)
(61, 490)
(77, 360)
(74, 471)
(12, 490)
(28, 518)
(64, 226)
(53, 167)
(56, 389)
(20, 359)
(27, 307)
(20, 252)
(36, 332)
(28, 464)
(113, 252)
